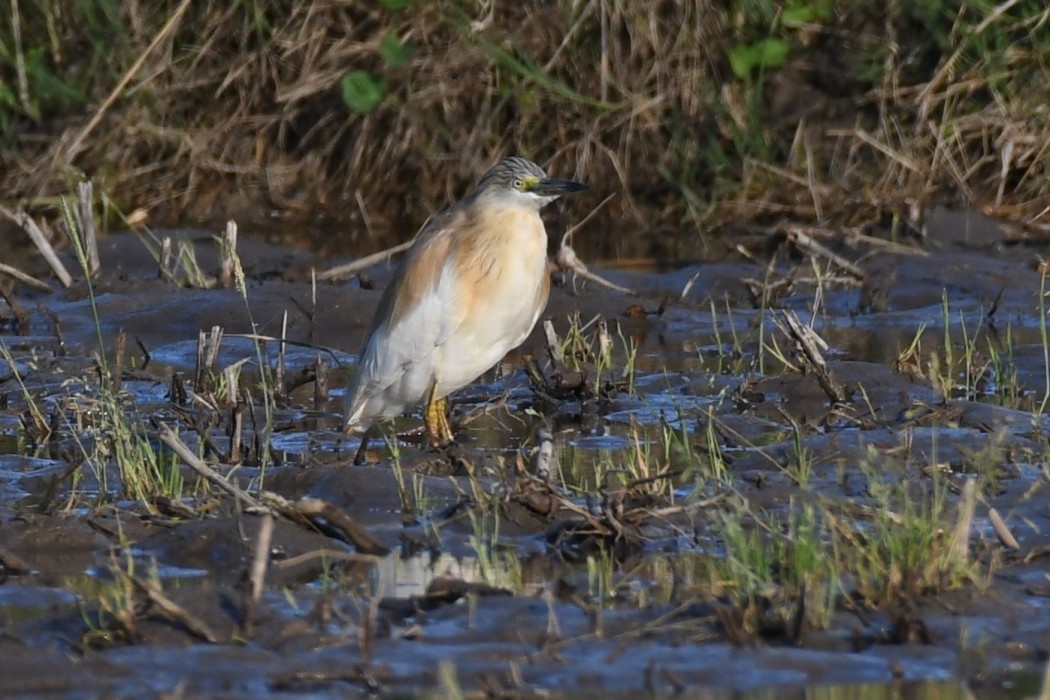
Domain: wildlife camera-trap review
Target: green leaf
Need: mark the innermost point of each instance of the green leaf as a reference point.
(362, 91)
(742, 59)
(798, 14)
(394, 51)
(808, 12)
(394, 4)
(767, 53)
(8, 98)
(772, 52)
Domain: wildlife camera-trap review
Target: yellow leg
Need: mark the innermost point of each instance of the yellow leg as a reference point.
(447, 438)
(435, 419)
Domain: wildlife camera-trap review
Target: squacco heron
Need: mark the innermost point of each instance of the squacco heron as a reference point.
(470, 288)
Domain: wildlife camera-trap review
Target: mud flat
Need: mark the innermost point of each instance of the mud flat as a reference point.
(817, 464)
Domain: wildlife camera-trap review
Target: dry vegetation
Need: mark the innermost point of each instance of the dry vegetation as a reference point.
(701, 114)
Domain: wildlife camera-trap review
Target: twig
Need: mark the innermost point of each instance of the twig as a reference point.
(25, 279)
(855, 236)
(86, 210)
(320, 383)
(901, 159)
(554, 351)
(959, 544)
(12, 563)
(566, 239)
(329, 554)
(164, 261)
(169, 438)
(566, 260)
(215, 341)
(544, 454)
(21, 315)
(231, 373)
(1006, 538)
(236, 429)
(807, 243)
(329, 518)
(275, 339)
(351, 268)
(175, 612)
(261, 556)
(145, 353)
(809, 344)
(207, 351)
(364, 214)
(26, 223)
(689, 286)
(280, 393)
(229, 251)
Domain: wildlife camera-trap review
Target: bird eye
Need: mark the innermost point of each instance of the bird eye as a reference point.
(518, 183)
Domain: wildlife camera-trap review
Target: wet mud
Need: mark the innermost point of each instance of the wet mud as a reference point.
(583, 536)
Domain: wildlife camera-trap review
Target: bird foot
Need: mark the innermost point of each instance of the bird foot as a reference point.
(435, 420)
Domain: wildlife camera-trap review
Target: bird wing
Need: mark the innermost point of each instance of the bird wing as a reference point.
(418, 310)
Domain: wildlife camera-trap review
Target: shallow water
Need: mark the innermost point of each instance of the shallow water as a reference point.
(709, 391)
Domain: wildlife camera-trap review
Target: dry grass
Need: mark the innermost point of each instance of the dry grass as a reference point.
(218, 109)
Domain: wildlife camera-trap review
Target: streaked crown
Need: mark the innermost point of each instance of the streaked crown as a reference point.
(513, 173)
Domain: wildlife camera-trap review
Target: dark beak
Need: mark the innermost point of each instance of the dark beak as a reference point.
(550, 187)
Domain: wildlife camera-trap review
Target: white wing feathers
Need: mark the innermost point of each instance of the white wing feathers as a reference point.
(399, 359)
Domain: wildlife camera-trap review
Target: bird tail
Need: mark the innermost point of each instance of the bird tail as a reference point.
(353, 414)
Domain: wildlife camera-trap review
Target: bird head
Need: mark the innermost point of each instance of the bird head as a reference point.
(525, 181)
